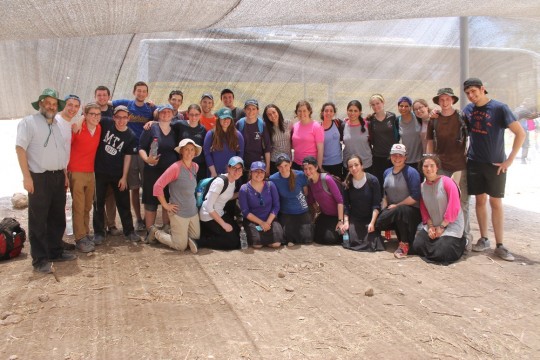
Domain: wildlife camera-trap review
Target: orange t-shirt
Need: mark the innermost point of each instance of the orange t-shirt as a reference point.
(209, 123)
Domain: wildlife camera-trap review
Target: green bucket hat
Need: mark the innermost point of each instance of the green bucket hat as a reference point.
(49, 93)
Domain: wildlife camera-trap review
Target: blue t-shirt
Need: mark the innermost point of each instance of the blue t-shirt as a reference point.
(486, 130)
(291, 202)
(138, 115)
(332, 146)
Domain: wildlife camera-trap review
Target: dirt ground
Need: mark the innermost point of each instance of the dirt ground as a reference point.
(135, 301)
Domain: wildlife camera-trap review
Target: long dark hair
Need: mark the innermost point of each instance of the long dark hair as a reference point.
(359, 106)
(349, 177)
(230, 137)
(269, 124)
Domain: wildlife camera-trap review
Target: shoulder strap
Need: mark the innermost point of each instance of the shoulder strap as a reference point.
(260, 125)
(241, 123)
(225, 182)
(325, 184)
(339, 125)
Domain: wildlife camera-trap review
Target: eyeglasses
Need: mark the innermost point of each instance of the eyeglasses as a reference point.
(235, 168)
(93, 114)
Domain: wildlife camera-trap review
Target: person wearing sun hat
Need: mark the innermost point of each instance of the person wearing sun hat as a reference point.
(181, 178)
(259, 203)
(447, 138)
(43, 166)
(401, 209)
(487, 162)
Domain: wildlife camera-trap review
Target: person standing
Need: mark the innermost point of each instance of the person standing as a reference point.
(42, 157)
(410, 128)
(487, 162)
(227, 98)
(208, 119)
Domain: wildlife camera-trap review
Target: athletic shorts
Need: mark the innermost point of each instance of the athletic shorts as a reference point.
(135, 174)
(482, 178)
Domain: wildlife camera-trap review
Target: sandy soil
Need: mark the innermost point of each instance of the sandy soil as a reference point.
(134, 301)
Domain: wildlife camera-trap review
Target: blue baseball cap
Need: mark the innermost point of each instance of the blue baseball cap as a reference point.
(166, 107)
(257, 165)
(235, 160)
(224, 113)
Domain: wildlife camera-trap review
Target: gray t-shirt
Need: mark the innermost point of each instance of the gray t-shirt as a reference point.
(356, 142)
(411, 137)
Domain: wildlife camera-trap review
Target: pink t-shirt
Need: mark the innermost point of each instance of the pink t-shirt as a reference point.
(305, 139)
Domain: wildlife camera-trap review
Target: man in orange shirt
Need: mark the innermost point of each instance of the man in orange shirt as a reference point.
(208, 119)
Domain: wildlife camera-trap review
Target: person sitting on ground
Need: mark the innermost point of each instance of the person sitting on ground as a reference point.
(441, 239)
(218, 228)
(294, 216)
(259, 203)
(181, 178)
(362, 205)
(329, 224)
(401, 196)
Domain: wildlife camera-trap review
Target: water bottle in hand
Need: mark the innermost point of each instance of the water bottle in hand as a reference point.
(346, 241)
(154, 149)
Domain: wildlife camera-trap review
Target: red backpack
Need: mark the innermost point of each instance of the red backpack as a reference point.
(12, 238)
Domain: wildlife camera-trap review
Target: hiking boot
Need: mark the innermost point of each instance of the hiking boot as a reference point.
(140, 225)
(481, 245)
(402, 250)
(133, 237)
(166, 228)
(503, 253)
(193, 245)
(151, 236)
(85, 245)
(98, 239)
(114, 231)
(44, 267)
(64, 256)
(68, 246)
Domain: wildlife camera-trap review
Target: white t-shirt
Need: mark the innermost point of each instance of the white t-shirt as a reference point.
(65, 129)
(214, 201)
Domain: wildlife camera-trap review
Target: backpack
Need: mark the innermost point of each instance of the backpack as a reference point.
(12, 238)
(240, 124)
(371, 121)
(336, 180)
(204, 185)
(462, 134)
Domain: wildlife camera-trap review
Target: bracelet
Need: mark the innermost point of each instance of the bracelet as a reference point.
(341, 220)
(443, 227)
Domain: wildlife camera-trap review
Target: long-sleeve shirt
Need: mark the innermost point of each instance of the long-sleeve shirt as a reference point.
(359, 203)
(219, 159)
(440, 202)
(259, 204)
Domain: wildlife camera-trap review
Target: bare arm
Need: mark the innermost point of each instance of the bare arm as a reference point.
(429, 147)
(320, 154)
(122, 184)
(519, 138)
(28, 183)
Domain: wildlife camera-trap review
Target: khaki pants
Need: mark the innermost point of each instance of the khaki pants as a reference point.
(82, 185)
(181, 230)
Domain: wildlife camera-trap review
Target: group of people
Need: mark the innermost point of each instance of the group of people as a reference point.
(278, 181)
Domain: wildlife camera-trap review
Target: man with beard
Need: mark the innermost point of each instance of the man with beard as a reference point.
(42, 158)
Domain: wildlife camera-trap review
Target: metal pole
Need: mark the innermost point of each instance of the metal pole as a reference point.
(463, 56)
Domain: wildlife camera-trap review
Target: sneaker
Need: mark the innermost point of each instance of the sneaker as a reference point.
(140, 225)
(45, 267)
(402, 250)
(133, 237)
(98, 239)
(65, 256)
(503, 253)
(114, 231)
(193, 245)
(68, 246)
(85, 245)
(481, 245)
(166, 228)
(151, 236)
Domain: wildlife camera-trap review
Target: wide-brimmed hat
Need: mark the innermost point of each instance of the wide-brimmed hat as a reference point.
(49, 93)
(445, 91)
(398, 149)
(185, 142)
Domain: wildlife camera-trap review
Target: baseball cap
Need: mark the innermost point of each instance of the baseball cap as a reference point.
(224, 113)
(207, 95)
(398, 149)
(281, 158)
(166, 107)
(235, 160)
(310, 160)
(120, 108)
(257, 165)
(251, 102)
(472, 82)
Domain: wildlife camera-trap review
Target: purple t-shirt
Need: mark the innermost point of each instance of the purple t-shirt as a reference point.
(259, 204)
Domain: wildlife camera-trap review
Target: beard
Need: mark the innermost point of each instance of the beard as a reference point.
(49, 115)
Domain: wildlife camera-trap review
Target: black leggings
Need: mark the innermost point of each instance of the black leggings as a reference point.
(213, 236)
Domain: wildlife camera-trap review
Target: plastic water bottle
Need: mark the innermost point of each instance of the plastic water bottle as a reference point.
(199, 196)
(154, 148)
(346, 241)
(69, 223)
(243, 239)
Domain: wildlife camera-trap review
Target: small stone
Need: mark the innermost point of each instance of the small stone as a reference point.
(281, 274)
(43, 297)
(523, 264)
(13, 357)
(369, 292)
(19, 201)
(222, 302)
(419, 281)
(289, 244)
(90, 254)
(301, 318)
(11, 319)
(5, 314)
(90, 275)
(478, 310)
(289, 288)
